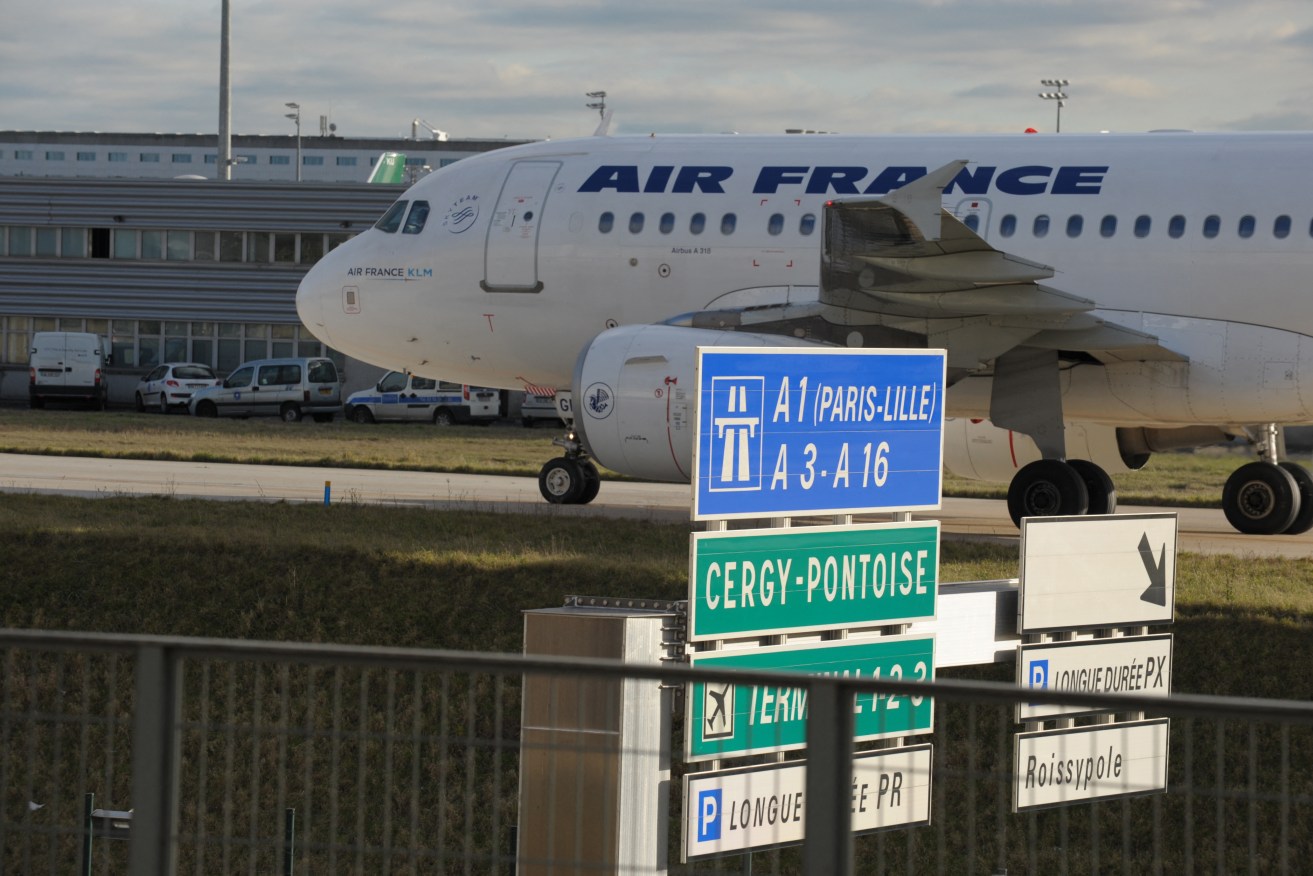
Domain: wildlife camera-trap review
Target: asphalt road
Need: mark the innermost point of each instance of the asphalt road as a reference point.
(1201, 530)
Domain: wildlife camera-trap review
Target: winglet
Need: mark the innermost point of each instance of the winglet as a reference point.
(921, 200)
(604, 126)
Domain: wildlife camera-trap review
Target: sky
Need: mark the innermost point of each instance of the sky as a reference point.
(520, 68)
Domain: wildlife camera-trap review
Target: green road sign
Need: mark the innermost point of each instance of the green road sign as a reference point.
(725, 719)
(762, 583)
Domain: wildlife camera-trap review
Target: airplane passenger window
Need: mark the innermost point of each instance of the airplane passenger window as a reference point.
(391, 220)
(1041, 227)
(1142, 225)
(1108, 227)
(972, 221)
(605, 221)
(1007, 226)
(667, 223)
(1246, 227)
(727, 223)
(1212, 225)
(1075, 224)
(1176, 227)
(776, 223)
(635, 223)
(1281, 227)
(697, 222)
(419, 214)
(807, 224)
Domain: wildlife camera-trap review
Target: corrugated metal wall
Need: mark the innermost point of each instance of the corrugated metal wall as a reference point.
(160, 289)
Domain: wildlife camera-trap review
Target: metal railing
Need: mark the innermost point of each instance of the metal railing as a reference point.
(257, 757)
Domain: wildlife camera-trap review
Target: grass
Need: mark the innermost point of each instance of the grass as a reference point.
(407, 577)
(1178, 479)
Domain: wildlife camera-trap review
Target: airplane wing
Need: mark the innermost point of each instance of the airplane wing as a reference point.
(903, 262)
(901, 271)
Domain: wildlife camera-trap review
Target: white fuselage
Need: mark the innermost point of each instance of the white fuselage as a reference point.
(1203, 241)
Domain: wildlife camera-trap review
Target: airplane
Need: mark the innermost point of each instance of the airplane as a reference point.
(1100, 297)
(390, 169)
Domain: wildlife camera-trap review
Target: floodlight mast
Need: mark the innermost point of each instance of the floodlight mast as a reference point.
(295, 116)
(1060, 96)
(599, 101)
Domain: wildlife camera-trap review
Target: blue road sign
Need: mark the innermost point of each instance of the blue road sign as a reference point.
(786, 431)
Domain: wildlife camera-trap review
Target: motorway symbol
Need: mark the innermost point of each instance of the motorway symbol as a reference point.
(1157, 592)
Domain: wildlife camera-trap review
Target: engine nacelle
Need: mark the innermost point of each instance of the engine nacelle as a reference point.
(635, 396)
(979, 450)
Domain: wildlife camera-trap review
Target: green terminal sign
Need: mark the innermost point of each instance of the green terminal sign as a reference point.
(731, 720)
(785, 581)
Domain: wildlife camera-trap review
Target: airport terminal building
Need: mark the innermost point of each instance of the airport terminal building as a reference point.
(177, 266)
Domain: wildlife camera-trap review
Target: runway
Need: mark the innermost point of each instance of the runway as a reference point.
(1201, 530)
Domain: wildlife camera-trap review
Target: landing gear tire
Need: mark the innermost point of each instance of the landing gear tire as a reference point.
(1303, 521)
(1047, 488)
(1261, 499)
(592, 482)
(562, 481)
(1103, 495)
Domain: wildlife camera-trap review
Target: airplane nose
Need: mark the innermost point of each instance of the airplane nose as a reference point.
(312, 299)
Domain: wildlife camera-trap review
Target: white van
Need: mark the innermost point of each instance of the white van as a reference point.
(68, 365)
(402, 396)
(286, 388)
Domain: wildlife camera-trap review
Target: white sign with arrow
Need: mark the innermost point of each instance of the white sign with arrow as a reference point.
(1112, 570)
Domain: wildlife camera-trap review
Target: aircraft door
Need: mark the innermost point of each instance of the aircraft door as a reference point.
(974, 214)
(511, 257)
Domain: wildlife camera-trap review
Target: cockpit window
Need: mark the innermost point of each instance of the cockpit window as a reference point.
(419, 214)
(391, 220)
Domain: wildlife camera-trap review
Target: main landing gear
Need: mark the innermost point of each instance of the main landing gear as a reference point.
(1269, 497)
(1060, 488)
(571, 479)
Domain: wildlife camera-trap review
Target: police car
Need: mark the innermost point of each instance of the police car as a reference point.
(408, 397)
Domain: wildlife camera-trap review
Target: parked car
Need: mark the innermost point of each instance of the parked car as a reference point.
(68, 366)
(408, 397)
(539, 408)
(172, 384)
(287, 388)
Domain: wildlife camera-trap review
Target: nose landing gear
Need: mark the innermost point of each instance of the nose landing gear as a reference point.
(571, 479)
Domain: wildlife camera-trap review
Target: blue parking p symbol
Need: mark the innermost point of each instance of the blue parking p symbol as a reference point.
(709, 815)
(1039, 673)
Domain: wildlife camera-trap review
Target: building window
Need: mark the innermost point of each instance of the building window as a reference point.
(312, 160)
(149, 158)
(181, 158)
(178, 245)
(152, 244)
(86, 156)
(346, 161)
(312, 248)
(203, 246)
(125, 243)
(45, 243)
(118, 156)
(280, 159)
(73, 243)
(54, 155)
(211, 159)
(285, 244)
(22, 154)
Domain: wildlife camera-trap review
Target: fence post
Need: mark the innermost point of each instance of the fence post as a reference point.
(828, 837)
(155, 743)
(88, 804)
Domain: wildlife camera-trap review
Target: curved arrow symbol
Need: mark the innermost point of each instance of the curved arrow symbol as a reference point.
(1157, 592)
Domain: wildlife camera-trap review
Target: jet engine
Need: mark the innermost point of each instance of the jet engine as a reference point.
(635, 395)
(979, 450)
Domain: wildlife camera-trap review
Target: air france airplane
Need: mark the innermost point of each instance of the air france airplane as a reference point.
(1100, 297)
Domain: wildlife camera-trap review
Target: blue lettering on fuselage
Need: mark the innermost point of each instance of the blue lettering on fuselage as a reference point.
(1030, 179)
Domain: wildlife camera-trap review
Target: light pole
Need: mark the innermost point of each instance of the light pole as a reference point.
(1060, 96)
(599, 101)
(295, 116)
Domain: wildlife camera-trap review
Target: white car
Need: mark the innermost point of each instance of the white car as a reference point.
(172, 384)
